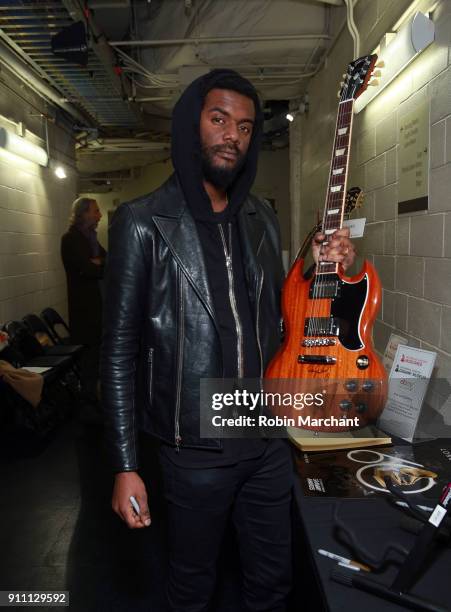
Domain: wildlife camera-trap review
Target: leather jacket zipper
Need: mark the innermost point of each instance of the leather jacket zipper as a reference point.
(150, 365)
(233, 305)
(180, 340)
(257, 322)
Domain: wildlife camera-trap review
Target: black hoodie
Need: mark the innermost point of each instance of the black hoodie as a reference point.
(186, 149)
(187, 161)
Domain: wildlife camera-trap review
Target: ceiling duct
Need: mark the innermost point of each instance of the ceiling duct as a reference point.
(71, 44)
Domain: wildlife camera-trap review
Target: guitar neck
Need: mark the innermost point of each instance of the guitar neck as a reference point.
(336, 188)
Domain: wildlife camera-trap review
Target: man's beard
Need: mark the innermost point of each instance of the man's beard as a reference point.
(220, 176)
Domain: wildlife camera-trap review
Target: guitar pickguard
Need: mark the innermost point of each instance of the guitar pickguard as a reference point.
(348, 308)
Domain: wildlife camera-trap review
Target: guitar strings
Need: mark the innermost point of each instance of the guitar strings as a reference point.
(314, 327)
(320, 287)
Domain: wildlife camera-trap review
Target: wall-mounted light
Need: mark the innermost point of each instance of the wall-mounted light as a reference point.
(298, 107)
(17, 145)
(60, 172)
(409, 41)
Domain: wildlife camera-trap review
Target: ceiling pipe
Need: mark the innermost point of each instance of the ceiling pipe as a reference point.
(150, 99)
(332, 2)
(216, 39)
(21, 70)
(102, 50)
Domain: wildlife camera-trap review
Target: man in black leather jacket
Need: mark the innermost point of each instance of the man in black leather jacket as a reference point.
(193, 292)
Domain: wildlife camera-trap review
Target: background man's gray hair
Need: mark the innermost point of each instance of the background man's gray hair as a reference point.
(79, 206)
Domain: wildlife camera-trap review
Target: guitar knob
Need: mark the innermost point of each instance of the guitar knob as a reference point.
(362, 362)
(368, 385)
(361, 407)
(345, 404)
(351, 385)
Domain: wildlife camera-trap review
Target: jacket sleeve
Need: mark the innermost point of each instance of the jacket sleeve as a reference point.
(76, 261)
(125, 289)
(279, 275)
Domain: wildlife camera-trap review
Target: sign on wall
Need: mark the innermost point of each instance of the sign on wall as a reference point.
(413, 159)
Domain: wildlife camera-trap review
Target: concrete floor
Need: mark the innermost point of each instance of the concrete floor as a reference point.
(57, 531)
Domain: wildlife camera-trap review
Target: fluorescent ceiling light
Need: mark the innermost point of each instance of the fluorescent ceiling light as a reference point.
(22, 147)
(410, 41)
(60, 172)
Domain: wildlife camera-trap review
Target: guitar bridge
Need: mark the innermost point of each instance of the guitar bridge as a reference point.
(319, 342)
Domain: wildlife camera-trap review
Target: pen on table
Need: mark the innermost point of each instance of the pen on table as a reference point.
(343, 561)
(135, 505)
(406, 505)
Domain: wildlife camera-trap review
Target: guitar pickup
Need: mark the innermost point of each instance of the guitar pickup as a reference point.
(325, 286)
(317, 359)
(321, 326)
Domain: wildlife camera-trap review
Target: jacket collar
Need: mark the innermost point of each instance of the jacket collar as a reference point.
(169, 201)
(178, 228)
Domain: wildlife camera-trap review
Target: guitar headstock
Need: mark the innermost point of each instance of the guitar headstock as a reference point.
(357, 77)
(354, 199)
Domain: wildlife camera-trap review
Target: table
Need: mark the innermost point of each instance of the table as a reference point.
(376, 522)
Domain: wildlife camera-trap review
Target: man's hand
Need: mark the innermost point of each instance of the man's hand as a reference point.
(97, 260)
(127, 484)
(339, 249)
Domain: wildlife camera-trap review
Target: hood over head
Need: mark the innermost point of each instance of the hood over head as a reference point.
(186, 146)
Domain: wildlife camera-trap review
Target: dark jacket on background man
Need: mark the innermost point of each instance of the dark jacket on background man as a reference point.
(83, 290)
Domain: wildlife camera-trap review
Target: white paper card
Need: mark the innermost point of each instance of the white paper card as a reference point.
(35, 369)
(356, 227)
(407, 385)
(437, 516)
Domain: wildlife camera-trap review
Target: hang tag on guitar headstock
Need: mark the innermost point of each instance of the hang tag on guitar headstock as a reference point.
(356, 227)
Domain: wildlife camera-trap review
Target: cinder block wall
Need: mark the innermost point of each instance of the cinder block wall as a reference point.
(412, 252)
(34, 209)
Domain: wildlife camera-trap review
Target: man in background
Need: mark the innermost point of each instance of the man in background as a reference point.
(84, 258)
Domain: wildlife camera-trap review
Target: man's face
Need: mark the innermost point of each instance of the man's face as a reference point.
(226, 124)
(93, 215)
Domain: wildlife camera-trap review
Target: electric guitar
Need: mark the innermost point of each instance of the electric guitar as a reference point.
(328, 318)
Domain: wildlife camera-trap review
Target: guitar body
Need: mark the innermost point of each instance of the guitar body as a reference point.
(328, 347)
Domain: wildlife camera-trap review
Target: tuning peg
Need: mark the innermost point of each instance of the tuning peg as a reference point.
(377, 74)
(380, 64)
(344, 75)
(373, 83)
(342, 83)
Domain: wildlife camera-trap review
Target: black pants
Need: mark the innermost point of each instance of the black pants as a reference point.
(256, 493)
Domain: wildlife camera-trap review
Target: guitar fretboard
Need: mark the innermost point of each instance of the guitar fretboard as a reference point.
(336, 189)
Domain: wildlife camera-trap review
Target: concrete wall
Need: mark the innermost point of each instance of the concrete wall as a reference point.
(273, 181)
(412, 252)
(34, 208)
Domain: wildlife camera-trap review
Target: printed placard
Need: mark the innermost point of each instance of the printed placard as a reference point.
(407, 385)
(356, 227)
